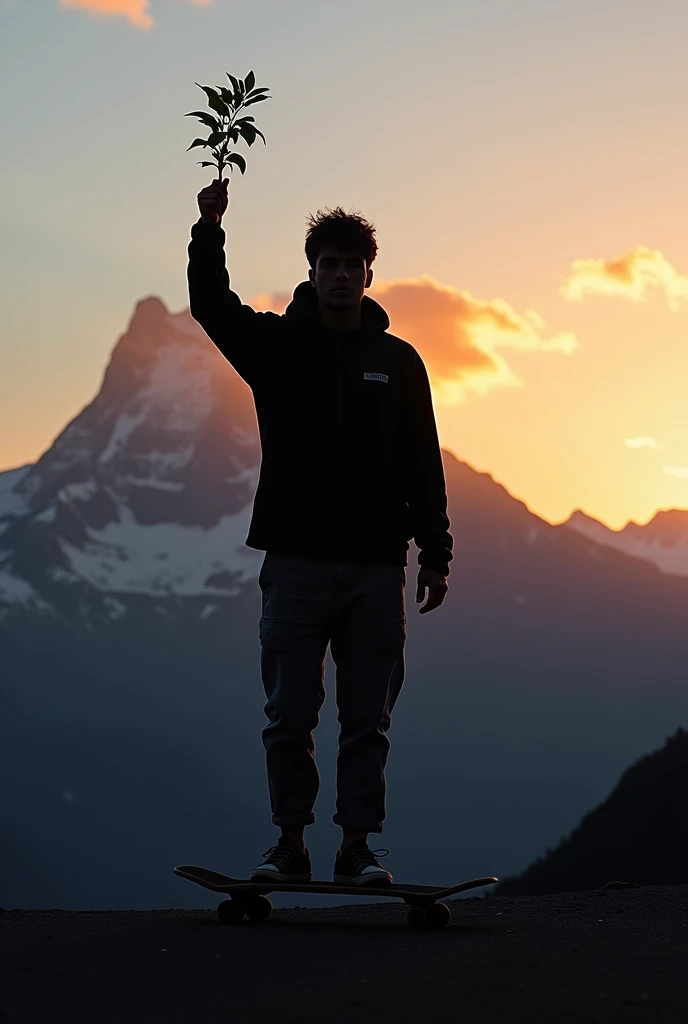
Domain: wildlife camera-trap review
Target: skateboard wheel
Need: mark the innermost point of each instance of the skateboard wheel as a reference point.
(259, 908)
(230, 912)
(417, 918)
(439, 915)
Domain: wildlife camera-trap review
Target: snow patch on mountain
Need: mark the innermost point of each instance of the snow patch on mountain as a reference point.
(17, 591)
(12, 501)
(48, 515)
(177, 397)
(115, 608)
(164, 559)
(82, 491)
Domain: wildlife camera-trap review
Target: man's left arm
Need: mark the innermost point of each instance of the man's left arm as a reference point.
(425, 488)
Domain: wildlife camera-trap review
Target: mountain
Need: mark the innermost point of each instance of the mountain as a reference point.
(662, 541)
(638, 834)
(146, 492)
(130, 656)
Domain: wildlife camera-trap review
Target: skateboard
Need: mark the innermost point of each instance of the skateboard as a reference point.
(250, 899)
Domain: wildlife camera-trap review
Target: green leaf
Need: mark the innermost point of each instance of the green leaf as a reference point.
(248, 133)
(259, 132)
(256, 99)
(235, 85)
(206, 163)
(256, 91)
(227, 95)
(250, 81)
(198, 142)
(215, 100)
(216, 137)
(205, 117)
(237, 158)
(242, 119)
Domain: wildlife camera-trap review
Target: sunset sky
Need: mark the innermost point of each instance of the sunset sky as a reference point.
(525, 164)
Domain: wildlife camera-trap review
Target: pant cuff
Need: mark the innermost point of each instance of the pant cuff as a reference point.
(358, 824)
(293, 820)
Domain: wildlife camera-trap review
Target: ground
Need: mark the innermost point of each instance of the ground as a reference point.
(602, 956)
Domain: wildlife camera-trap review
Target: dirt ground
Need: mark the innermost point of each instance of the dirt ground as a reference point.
(600, 956)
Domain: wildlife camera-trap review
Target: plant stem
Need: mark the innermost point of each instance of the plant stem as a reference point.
(229, 127)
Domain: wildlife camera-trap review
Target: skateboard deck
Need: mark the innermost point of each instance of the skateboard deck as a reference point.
(247, 897)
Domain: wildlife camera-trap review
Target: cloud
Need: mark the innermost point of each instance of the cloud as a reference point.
(457, 335)
(642, 442)
(680, 471)
(276, 301)
(135, 11)
(633, 276)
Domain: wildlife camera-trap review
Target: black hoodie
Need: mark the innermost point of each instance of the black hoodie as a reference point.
(351, 465)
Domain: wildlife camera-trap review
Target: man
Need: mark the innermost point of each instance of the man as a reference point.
(351, 470)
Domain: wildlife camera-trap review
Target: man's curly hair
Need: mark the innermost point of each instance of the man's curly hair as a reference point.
(341, 230)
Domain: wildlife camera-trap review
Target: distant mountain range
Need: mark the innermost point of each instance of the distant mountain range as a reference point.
(638, 834)
(131, 703)
(663, 540)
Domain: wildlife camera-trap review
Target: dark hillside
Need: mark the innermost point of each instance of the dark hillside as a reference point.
(639, 833)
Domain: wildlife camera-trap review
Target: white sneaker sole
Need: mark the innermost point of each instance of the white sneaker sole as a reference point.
(369, 879)
(265, 875)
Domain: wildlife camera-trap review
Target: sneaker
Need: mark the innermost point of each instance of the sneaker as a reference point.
(283, 863)
(358, 866)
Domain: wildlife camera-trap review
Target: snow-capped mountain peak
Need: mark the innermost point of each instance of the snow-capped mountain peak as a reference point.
(148, 489)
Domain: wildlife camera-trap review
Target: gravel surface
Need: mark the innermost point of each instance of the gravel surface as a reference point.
(602, 956)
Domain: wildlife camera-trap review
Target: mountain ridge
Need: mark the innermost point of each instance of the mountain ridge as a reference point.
(663, 540)
(638, 834)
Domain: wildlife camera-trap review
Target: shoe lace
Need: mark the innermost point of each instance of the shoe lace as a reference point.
(362, 857)
(280, 855)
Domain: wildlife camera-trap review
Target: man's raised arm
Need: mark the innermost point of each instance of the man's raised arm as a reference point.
(236, 329)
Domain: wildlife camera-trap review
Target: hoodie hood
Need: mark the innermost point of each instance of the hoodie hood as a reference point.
(303, 310)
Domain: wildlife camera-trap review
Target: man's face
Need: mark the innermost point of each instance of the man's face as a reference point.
(340, 278)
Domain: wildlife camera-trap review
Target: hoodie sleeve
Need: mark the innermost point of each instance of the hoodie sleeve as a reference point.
(424, 482)
(238, 331)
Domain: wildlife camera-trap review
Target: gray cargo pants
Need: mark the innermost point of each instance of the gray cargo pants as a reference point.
(358, 608)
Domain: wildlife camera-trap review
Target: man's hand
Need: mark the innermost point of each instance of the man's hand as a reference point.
(437, 587)
(213, 201)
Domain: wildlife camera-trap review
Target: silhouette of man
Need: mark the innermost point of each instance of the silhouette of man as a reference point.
(351, 470)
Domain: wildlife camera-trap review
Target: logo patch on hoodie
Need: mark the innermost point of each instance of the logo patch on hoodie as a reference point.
(376, 376)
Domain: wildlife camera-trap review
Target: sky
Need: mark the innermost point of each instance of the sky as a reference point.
(525, 166)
